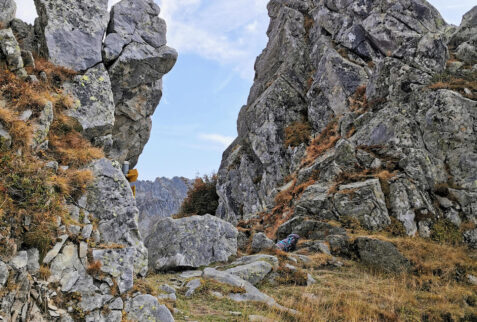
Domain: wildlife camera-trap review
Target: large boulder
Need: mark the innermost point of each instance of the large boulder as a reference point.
(190, 242)
(137, 57)
(147, 308)
(72, 31)
(381, 255)
(8, 9)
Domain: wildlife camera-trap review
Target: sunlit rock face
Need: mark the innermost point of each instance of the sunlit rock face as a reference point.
(359, 73)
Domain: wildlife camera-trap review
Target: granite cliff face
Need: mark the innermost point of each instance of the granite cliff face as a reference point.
(159, 199)
(353, 113)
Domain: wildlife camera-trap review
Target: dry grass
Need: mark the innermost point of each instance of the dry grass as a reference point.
(94, 268)
(44, 273)
(68, 145)
(283, 210)
(383, 175)
(26, 185)
(297, 133)
(433, 292)
(325, 141)
(457, 81)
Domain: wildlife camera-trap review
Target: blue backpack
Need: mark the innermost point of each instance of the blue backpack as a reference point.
(289, 243)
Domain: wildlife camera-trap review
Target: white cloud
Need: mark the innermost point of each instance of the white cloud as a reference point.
(229, 32)
(222, 140)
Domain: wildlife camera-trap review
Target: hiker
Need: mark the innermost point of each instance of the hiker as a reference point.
(288, 244)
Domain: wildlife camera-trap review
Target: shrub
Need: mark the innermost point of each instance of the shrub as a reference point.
(201, 199)
(297, 133)
(443, 231)
(325, 141)
(94, 268)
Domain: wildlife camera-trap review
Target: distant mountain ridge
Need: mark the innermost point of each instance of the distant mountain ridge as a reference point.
(159, 199)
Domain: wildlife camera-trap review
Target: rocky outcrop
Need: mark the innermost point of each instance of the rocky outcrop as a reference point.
(137, 57)
(347, 115)
(10, 52)
(190, 242)
(120, 81)
(159, 199)
(72, 31)
(381, 255)
(8, 9)
(110, 201)
(88, 271)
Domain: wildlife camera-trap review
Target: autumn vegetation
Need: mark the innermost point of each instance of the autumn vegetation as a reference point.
(30, 191)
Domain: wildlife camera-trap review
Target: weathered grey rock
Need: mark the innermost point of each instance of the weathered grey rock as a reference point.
(20, 260)
(310, 280)
(42, 126)
(55, 250)
(68, 270)
(137, 57)
(8, 9)
(10, 52)
(72, 31)
(310, 75)
(86, 231)
(25, 35)
(192, 286)
(317, 230)
(252, 293)
(168, 289)
(273, 260)
(253, 273)
(147, 308)
(190, 242)
(3, 273)
(117, 304)
(470, 237)
(472, 279)
(467, 28)
(381, 255)
(119, 263)
(366, 203)
(261, 242)
(93, 102)
(33, 264)
(111, 201)
(190, 274)
(5, 138)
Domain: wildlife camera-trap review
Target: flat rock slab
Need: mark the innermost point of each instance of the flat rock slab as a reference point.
(253, 273)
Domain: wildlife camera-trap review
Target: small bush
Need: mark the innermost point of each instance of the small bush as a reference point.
(94, 268)
(290, 276)
(297, 133)
(201, 199)
(44, 273)
(443, 231)
(396, 228)
(325, 141)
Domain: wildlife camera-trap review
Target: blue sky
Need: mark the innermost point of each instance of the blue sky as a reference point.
(217, 41)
